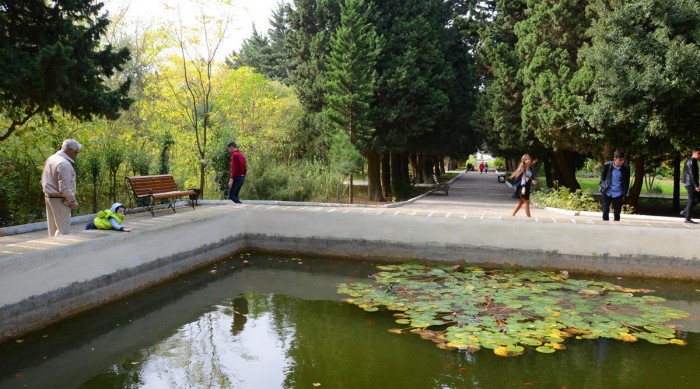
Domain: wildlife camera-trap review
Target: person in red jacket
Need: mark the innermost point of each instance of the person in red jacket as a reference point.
(238, 171)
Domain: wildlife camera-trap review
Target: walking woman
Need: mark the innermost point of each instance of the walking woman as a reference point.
(523, 181)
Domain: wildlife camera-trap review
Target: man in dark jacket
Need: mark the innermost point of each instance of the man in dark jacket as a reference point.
(614, 184)
(690, 181)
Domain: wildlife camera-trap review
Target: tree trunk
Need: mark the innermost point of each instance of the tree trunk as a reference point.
(202, 176)
(564, 163)
(452, 164)
(426, 169)
(386, 174)
(415, 161)
(633, 198)
(400, 185)
(374, 182)
(350, 190)
(548, 174)
(676, 204)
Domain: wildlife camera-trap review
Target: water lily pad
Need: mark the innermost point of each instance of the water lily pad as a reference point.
(470, 308)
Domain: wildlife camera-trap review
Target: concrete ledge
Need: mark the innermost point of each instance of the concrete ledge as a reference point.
(39, 288)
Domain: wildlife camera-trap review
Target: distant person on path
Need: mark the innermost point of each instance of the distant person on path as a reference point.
(58, 185)
(109, 219)
(481, 168)
(690, 181)
(614, 184)
(486, 167)
(524, 179)
(238, 172)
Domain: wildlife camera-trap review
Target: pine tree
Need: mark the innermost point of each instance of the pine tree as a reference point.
(500, 103)
(255, 52)
(548, 43)
(51, 56)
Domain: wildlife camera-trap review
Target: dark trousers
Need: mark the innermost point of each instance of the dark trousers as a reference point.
(236, 189)
(617, 203)
(692, 200)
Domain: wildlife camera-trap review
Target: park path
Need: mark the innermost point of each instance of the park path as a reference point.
(481, 195)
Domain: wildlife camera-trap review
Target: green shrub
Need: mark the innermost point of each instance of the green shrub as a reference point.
(565, 199)
(580, 200)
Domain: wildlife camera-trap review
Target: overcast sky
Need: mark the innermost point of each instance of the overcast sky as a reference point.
(243, 13)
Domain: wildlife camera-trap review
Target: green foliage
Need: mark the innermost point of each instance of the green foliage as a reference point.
(140, 162)
(21, 198)
(351, 75)
(344, 158)
(297, 181)
(642, 73)
(563, 198)
(500, 103)
(95, 168)
(499, 163)
(509, 311)
(51, 56)
(267, 54)
(413, 71)
(167, 142)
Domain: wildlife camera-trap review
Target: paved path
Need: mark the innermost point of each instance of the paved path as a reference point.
(482, 196)
(471, 196)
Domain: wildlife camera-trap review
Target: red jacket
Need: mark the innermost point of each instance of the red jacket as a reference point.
(237, 167)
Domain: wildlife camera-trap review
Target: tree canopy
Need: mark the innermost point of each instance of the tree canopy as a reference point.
(51, 56)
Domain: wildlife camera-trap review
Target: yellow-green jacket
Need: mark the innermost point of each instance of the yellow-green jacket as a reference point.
(102, 219)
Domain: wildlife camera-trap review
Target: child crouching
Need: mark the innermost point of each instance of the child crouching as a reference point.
(109, 219)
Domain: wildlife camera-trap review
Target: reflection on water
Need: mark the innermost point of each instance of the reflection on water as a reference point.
(215, 351)
(278, 323)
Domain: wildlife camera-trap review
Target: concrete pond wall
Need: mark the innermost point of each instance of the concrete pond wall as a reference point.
(40, 288)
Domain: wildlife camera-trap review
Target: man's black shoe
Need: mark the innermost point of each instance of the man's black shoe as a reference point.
(691, 222)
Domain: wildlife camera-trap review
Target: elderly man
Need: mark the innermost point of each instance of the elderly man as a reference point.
(58, 184)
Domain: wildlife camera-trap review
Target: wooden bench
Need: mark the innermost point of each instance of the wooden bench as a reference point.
(149, 189)
(440, 186)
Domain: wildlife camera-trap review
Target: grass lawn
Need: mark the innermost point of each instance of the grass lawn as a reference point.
(591, 184)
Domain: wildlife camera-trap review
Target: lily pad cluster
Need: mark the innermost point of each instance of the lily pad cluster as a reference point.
(469, 308)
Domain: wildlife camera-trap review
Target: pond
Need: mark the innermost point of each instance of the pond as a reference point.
(267, 321)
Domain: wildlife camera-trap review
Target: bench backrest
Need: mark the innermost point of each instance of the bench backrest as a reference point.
(145, 185)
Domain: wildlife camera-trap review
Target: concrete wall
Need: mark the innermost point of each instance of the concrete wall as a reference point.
(40, 288)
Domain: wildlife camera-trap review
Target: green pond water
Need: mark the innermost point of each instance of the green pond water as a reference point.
(278, 322)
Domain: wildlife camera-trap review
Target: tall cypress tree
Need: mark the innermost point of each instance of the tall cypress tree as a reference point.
(311, 22)
(281, 64)
(351, 77)
(413, 78)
